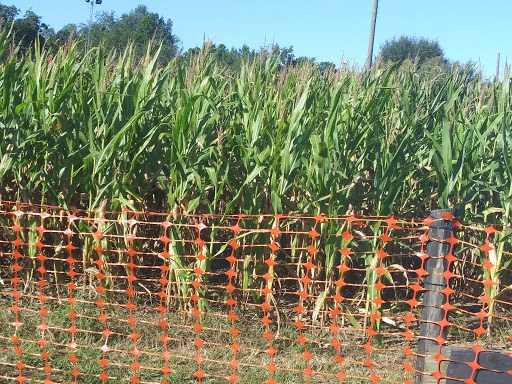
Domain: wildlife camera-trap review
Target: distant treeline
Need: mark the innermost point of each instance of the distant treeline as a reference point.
(136, 27)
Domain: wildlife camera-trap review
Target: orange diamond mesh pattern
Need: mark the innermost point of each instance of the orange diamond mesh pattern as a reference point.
(139, 297)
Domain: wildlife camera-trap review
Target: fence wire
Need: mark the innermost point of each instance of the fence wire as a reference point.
(141, 297)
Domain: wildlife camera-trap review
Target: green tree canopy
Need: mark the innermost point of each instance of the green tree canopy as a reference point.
(27, 29)
(8, 13)
(67, 32)
(138, 27)
(399, 49)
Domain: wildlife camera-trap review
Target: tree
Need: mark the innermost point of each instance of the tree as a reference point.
(67, 33)
(190, 54)
(27, 29)
(434, 69)
(399, 49)
(229, 59)
(325, 66)
(138, 27)
(8, 13)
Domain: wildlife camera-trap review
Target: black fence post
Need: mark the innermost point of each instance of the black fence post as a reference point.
(433, 298)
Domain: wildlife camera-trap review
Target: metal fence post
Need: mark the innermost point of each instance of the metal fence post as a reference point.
(433, 298)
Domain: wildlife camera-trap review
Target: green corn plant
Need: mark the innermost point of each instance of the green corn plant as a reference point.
(505, 167)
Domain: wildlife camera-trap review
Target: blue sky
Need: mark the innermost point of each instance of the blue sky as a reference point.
(327, 30)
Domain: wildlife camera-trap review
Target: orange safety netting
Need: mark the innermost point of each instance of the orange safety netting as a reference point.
(139, 297)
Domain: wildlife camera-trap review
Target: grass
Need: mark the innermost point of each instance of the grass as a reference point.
(252, 355)
(385, 358)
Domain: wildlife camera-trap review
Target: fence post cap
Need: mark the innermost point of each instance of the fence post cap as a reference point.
(438, 213)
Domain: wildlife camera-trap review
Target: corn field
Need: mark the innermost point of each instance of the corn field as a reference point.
(104, 131)
(101, 131)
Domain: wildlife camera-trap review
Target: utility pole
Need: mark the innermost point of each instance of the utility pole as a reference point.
(98, 2)
(498, 67)
(372, 34)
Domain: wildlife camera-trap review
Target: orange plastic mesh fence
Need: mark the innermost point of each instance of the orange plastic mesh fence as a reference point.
(132, 297)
